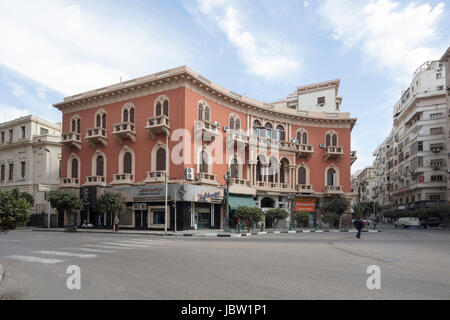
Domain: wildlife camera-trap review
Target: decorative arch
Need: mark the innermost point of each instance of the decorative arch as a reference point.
(96, 161)
(161, 106)
(331, 138)
(154, 157)
(75, 123)
(282, 132)
(128, 112)
(100, 119)
(123, 167)
(73, 172)
(302, 136)
(235, 161)
(204, 161)
(330, 177)
(204, 110)
(234, 121)
(284, 171)
(303, 167)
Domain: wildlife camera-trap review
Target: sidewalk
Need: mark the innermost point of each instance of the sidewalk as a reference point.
(199, 233)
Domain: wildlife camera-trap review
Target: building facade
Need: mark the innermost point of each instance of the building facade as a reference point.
(24, 162)
(411, 164)
(364, 182)
(293, 154)
(446, 60)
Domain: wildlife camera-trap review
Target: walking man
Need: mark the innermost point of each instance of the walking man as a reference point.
(358, 225)
(116, 224)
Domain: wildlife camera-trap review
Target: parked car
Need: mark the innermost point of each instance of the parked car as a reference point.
(407, 222)
(366, 223)
(430, 222)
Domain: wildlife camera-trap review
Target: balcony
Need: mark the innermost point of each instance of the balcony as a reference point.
(95, 180)
(70, 183)
(305, 150)
(124, 131)
(155, 177)
(207, 178)
(96, 136)
(333, 153)
(288, 146)
(239, 137)
(157, 125)
(71, 140)
(333, 189)
(123, 178)
(208, 130)
(241, 186)
(353, 157)
(304, 188)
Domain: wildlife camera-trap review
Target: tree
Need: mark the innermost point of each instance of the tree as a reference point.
(337, 205)
(15, 210)
(331, 218)
(250, 215)
(65, 200)
(28, 197)
(276, 215)
(359, 210)
(111, 202)
(302, 219)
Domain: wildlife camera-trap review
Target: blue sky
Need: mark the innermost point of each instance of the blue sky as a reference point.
(263, 49)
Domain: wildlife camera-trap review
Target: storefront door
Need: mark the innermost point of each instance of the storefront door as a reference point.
(140, 219)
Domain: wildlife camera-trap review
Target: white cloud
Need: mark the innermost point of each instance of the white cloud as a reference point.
(8, 113)
(397, 38)
(263, 56)
(76, 48)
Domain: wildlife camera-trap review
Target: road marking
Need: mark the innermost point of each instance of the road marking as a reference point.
(7, 240)
(139, 242)
(103, 247)
(152, 241)
(67, 254)
(125, 245)
(90, 250)
(33, 259)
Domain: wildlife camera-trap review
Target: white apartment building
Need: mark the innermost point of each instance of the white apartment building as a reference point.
(446, 60)
(411, 164)
(364, 182)
(24, 161)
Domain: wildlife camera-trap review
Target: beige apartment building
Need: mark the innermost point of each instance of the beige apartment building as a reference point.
(363, 183)
(30, 152)
(446, 60)
(411, 163)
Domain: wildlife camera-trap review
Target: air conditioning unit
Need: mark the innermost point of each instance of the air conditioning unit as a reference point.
(293, 140)
(217, 124)
(225, 129)
(189, 174)
(322, 145)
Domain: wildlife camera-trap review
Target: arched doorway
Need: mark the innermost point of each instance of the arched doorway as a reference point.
(268, 203)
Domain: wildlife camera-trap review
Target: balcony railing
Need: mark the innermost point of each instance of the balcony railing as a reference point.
(70, 182)
(239, 136)
(123, 131)
(304, 188)
(333, 153)
(305, 150)
(155, 176)
(241, 182)
(72, 139)
(97, 136)
(207, 178)
(123, 178)
(208, 130)
(95, 180)
(333, 189)
(157, 125)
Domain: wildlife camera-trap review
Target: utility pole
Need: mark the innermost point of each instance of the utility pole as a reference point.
(166, 180)
(227, 203)
(49, 185)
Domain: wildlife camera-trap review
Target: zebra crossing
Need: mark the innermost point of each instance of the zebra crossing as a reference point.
(86, 251)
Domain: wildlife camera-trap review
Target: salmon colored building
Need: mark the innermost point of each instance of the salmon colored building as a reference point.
(293, 154)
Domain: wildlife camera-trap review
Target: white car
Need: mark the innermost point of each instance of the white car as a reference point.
(407, 222)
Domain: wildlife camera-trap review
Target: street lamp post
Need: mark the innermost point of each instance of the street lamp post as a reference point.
(227, 203)
(166, 181)
(49, 185)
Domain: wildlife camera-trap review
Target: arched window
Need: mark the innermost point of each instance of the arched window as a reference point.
(304, 138)
(256, 124)
(158, 109)
(334, 140)
(238, 124)
(125, 115)
(328, 140)
(268, 125)
(161, 159)
(234, 169)
(259, 168)
(231, 123)
(301, 175)
(272, 169)
(284, 171)
(200, 112)
(204, 162)
(100, 166)
(207, 114)
(299, 136)
(132, 115)
(98, 121)
(281, 134)
(74, 168)
(166, 108)
(74, 125)
(79, 125)
(127, 163)
(104, 121)
(331, 177)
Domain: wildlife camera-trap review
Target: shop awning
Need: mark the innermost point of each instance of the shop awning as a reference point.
(237, 200)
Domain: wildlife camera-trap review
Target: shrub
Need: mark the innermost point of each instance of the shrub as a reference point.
(302, 219)
(331, 218)
(276, 215)
(249, 215)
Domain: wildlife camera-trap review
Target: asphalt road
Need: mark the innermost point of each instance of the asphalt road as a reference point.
(414, 264)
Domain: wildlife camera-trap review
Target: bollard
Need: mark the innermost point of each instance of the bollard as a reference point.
(262, 226)
(291, 226)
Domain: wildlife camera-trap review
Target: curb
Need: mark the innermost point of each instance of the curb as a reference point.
(2, 273)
